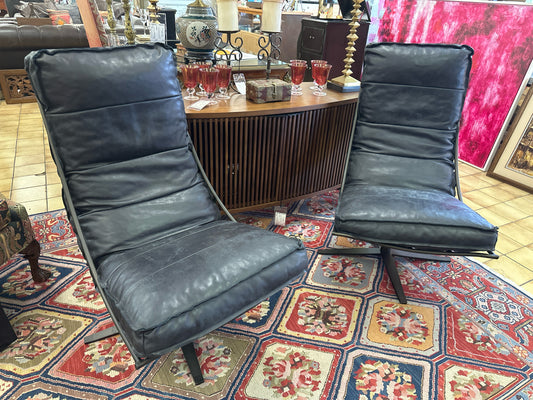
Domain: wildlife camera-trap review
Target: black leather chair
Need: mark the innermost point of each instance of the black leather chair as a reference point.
(401, 184)
(168, 266)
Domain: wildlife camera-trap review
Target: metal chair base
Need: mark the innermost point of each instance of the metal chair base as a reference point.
(388, 253)
(188, 353)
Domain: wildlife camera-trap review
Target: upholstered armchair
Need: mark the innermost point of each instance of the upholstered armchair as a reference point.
(401, 184)
(168, 266)
(16, 236)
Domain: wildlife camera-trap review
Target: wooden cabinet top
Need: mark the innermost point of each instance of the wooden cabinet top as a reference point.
(238, 106)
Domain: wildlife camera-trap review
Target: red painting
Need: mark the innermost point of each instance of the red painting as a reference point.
(501, 35)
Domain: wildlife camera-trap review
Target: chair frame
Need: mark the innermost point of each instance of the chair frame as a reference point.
(389, 251)
(188, 349)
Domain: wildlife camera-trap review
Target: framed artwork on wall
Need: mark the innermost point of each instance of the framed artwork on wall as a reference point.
(514, 161)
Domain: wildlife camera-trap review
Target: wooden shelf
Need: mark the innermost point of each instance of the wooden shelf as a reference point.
(250, 10)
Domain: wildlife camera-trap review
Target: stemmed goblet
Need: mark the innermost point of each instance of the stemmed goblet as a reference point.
(298, 68)
(224, 79)
(143, 14)
(190, 79)
(321, 73)
(314, 86)
(209, 79)
(202, 64)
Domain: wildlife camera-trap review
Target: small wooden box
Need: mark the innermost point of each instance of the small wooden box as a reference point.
(268, 90)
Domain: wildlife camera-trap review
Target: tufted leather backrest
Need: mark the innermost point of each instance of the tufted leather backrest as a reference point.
(17, 41)
(121, 143)
(408, 117)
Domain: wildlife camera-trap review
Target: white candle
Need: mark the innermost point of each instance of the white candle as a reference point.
(227, 15)
(271, 18)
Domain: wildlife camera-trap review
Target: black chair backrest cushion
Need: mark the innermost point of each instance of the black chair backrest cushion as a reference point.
(408, 118)
(124, 141)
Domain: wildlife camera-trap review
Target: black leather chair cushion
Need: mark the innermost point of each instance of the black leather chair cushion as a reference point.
(419, 218)
(170, 268)
(196, 280)
(400, 182)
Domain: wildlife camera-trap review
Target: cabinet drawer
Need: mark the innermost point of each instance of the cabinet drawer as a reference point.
(312, 39)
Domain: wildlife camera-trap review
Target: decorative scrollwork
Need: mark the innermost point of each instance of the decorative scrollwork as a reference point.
(222, 53)
(272, 41)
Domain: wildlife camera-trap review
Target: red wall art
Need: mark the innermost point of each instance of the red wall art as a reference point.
(501, 35)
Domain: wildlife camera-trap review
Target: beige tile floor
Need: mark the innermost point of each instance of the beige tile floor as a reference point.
(28, 175)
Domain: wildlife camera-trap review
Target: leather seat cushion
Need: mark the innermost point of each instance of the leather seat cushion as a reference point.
(422, 219)
(197, 280)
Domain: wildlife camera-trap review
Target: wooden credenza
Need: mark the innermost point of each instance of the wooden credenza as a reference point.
(258, 155)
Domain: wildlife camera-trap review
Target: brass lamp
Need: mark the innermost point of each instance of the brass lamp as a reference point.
(345, 83)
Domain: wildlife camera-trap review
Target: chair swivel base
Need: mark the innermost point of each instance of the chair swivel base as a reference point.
(388, 258)
(388, 254)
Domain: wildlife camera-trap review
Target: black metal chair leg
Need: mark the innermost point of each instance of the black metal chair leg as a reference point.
(351, 251)
(193, 363)
(421, 256)
(390, 263)
(95, 337)
(7, 334)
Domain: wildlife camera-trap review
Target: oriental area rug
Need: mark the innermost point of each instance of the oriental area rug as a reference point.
(336, 333)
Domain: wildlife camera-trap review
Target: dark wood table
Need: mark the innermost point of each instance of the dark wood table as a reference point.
(258, 155)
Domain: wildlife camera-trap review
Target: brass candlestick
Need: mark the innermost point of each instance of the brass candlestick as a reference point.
(128, 29)
(112, 23)
(153, 10)
(345, 83)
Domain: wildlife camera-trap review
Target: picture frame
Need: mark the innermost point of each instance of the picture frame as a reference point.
(513, 162)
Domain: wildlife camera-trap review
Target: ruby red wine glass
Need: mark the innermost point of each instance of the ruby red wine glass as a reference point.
(190, 79)
(297, 76)
(209, 79)
(202, 64)
(224, 79)
(321, 78)
(313, 62)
